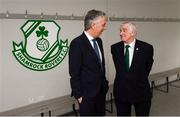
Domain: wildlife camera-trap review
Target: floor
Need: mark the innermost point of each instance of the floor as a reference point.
(163, 104)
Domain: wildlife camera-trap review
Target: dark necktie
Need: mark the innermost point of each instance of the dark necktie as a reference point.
(126, 57)
(96, 49)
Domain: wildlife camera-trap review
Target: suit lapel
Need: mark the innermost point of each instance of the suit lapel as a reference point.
(121, 51)
(99, 41)
(120, 54)
(89, 47)
(135, 55)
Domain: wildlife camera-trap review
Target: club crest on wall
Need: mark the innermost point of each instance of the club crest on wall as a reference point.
(42, 49)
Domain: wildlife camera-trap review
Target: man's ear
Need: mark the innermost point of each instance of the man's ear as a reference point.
(93, 25)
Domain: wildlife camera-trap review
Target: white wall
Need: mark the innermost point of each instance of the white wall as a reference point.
(144, 8)
(64, 7)
(1, 66)
(19, 85)
(0, 62)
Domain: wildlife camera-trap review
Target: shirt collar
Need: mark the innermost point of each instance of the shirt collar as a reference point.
(88, 36)
(132, 44)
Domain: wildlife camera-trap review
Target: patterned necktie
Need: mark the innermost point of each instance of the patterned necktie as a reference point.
(96, 49)
(126, 57)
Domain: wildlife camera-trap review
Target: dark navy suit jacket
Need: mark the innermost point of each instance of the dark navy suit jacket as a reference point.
(86, 71)
(133, 86)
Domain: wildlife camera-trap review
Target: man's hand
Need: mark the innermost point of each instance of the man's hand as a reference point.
(80, 100)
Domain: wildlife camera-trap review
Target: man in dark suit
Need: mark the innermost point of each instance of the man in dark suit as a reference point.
(133, 60)
(87, 66)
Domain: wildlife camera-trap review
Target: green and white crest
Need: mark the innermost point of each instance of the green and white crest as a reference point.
(42, 49)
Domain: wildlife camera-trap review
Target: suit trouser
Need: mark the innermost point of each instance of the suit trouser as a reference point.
(93, 106)
(141, 108)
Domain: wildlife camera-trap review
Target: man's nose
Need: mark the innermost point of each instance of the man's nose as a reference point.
(120, 32)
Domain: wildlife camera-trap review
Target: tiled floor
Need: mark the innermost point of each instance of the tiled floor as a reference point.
(163, 104)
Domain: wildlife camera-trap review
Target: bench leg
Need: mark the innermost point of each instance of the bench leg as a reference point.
(173, 85)
(49, 113)
(42, 114)
(167, 86)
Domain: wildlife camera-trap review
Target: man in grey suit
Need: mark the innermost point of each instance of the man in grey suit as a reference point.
(87, 66)
(133, 60)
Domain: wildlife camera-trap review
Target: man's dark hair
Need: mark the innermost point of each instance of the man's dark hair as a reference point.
(91, 16)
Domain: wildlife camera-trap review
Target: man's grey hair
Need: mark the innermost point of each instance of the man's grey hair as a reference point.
(91, 17)
(132, 27)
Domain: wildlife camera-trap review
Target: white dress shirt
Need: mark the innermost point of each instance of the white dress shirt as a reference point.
(131, 51)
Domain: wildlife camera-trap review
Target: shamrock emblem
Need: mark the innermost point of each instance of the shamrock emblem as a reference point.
(42, 44)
